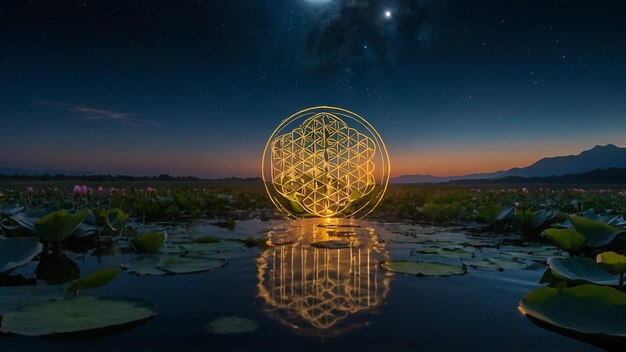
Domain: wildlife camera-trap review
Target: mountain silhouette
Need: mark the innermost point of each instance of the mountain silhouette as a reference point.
(598, 157)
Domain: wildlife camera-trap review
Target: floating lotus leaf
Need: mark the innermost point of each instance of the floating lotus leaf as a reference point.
(588, 309)
(612, 262)
(146, 265)
(529, 220)
(172, 264)
(15, 252)
(597, 233)
(59, 225)
(93, 280)
(424, 268)
(493, 213)
(581, 269)
(76, 314)
(495, 263)
(567, 239)
(149, 242)
(186, 265)
(232, 325)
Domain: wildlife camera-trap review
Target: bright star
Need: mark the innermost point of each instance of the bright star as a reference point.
(388, 14)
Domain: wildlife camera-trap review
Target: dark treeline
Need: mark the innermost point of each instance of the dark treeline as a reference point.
(114, 178)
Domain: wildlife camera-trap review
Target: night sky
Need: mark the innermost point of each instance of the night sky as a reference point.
(196, 87)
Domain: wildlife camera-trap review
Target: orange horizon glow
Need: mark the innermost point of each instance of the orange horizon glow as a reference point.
(245, 162)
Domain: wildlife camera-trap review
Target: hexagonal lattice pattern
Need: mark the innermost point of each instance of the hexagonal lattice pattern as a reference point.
(323, 165)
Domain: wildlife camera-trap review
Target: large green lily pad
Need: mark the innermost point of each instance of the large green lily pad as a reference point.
(424, 268)
(59, 225)
(612, 262)
(567, 239)
(149, 242)
(15, 252)
(588, 309)
(582, 270)
(76, 314)
(597, 233)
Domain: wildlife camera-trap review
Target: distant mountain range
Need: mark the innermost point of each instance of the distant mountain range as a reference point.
(598, 157)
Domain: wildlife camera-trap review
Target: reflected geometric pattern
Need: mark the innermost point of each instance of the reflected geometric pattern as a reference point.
(323, 165)
(318, 291)
(325, 162)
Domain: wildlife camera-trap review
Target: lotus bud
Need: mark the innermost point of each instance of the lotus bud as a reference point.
(77, 190)
(100, 189)
(29, 190)
(83, 190)
(149, 189)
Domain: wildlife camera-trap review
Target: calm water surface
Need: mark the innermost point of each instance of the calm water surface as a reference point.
(306, 298)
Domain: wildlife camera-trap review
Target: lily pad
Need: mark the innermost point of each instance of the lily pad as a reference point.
(186, 265)
(93, 280)
(612, 262)
(146, 265)
(567, 239)
(59, 225)
(424, 268)
(500, 264)
(597, 233)
(149, 242)
(493, 213)
(582, 270)
(15, 252)
(588, 309)
(172, 264)
(76, 314)
(232, 325)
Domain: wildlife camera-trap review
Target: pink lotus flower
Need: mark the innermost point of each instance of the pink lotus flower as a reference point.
(83, 190)
(30, 190)
(150, 189)
(100, 189)
(524, 190)
(76, 190)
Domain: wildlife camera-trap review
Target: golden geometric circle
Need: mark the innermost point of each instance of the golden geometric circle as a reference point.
(325, 161)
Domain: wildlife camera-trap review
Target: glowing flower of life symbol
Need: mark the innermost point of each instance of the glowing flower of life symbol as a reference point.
(324, 165)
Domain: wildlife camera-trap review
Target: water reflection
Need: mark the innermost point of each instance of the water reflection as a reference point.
(319, 291)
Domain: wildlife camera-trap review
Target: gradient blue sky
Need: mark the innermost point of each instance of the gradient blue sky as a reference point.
(196, 87)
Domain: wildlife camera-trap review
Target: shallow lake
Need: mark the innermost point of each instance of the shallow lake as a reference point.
(318, 285)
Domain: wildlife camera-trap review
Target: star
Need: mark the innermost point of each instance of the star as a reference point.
(388, 14)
